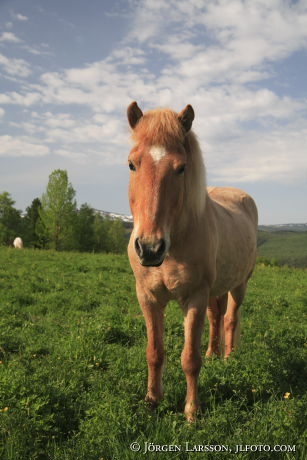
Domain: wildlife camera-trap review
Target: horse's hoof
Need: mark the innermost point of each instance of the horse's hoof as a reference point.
(191, 418)
(151, 403)
(190, 412)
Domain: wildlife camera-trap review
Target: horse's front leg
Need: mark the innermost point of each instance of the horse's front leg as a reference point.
(154, 317)
(191, 355)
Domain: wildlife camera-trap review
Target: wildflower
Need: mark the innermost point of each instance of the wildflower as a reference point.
(287, 395)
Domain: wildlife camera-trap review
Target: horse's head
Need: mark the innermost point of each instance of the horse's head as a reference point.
(156, 191)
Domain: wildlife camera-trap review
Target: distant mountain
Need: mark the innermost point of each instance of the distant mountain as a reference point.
(127, 220)
(114, 215)
(284, 228)
(266, 228)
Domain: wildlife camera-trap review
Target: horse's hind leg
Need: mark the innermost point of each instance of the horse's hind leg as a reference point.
(232, 318)
(215, 313)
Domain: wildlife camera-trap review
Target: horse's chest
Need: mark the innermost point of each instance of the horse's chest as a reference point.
(179, 280)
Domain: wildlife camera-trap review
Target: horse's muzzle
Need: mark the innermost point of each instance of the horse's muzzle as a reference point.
(151, 254)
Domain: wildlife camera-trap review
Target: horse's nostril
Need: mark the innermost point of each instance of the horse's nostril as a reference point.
(150, 253)
(160, 249)
(138, 247)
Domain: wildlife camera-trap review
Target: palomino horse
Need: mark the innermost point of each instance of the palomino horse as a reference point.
(189, 243)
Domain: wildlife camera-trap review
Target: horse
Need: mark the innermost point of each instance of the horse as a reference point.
(18, 243)
(189, 243)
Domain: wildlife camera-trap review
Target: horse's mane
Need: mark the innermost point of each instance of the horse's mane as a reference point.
(162, 127)
(159, 127)
(195, 179)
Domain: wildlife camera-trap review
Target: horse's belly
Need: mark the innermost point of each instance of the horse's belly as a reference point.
(230, 276)
(221, 286)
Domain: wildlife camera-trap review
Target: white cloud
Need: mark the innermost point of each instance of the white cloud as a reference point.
(239, 104)
(21, 146)
(275, 156)
(220, 40)
(82, 139)
(41, 49)
(21, 17)
(9, 37)
(27, 99)
(63, 120)
(216, 55)
(129, 56)
(16, 67)
(148, 19)
(99, 86)
(38, 49)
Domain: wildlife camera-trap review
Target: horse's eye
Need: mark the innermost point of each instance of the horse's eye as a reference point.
(181, 170)
(131, 166)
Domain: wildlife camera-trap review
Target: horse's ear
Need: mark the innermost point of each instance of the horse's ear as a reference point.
(186, 118)
(134, 114)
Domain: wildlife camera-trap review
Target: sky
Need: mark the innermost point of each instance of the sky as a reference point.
(70, 68)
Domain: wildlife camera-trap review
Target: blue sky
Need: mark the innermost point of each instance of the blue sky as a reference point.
(69, 68)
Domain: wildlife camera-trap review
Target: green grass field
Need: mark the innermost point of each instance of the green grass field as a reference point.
(73, 371)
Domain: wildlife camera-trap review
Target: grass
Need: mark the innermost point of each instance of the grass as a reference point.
(73, 370)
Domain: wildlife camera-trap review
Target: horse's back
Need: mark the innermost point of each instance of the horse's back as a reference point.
(236, 224)
(235, 202)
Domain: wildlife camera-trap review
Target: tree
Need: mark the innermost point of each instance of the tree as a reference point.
(116, 237)
(100, 228)
(30, 225)
(10, 219)
(109, 235)
(58, 213)
(86, 219)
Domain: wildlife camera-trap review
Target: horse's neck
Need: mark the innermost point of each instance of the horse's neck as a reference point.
(191, 219)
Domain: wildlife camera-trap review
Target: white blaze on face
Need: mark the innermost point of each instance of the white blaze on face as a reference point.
(157, 152)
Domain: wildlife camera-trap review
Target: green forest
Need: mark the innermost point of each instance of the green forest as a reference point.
(53, 221)
(278, 248)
